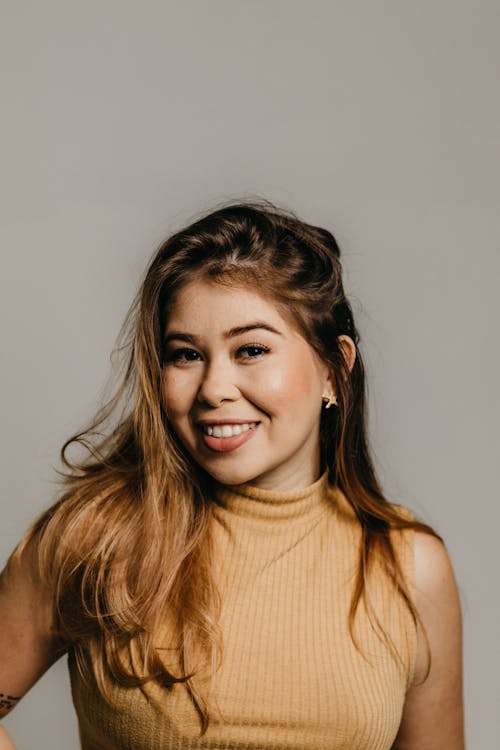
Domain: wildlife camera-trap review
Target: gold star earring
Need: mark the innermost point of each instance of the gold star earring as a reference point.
(331, 399)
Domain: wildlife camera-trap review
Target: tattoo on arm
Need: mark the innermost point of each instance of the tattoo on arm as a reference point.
(8, 701)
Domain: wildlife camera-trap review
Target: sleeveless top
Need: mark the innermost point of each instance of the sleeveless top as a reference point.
(291, 676)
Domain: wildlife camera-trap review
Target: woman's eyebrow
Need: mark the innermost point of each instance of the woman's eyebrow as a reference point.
(237, 331)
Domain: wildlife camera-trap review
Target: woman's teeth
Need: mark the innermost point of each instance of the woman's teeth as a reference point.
(227, 430)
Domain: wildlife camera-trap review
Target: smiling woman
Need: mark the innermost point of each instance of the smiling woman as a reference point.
(231, 379)
(223, 568)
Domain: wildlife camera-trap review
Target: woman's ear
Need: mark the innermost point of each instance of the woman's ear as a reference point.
(348, 349)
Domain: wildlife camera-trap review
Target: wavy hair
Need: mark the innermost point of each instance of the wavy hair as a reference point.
(127, 542)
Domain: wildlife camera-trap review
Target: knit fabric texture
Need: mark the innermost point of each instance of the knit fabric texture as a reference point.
(291, 676)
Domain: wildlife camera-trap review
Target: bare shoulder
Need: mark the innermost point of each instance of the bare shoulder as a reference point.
(436, 592)
(433, 711)
(433, 568)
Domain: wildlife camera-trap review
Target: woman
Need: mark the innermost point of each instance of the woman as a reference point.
(223, 568)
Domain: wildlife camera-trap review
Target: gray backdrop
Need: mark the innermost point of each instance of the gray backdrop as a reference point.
(379, 120)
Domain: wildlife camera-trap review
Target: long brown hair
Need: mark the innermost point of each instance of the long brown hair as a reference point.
(128, 537)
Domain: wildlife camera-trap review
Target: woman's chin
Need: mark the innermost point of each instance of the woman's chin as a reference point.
(232, 475)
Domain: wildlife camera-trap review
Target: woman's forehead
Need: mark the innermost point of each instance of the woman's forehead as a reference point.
(204, 301)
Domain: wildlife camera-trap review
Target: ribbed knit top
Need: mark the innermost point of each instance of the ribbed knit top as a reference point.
(291, 676)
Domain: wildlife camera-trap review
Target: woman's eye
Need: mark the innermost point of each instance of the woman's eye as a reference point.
(254, 351)
(178, 355)
(255, 348)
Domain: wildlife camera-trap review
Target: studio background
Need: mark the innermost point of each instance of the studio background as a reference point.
(379, 120)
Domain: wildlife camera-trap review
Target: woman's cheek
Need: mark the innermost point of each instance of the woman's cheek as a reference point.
(175, 395)
(268, 385)
(273, 390)
(282, 385)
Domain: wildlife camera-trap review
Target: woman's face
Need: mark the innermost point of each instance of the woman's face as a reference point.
(219, 375)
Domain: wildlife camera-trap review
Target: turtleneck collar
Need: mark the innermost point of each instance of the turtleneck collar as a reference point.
(247, 501)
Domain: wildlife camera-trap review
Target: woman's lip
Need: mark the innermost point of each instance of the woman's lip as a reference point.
(202, 422)
(224, 444)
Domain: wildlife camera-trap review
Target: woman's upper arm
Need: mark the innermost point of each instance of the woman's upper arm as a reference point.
(28, 641)
(433, 711)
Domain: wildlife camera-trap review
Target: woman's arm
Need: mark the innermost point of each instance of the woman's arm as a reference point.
(433, 711)
(28, 641)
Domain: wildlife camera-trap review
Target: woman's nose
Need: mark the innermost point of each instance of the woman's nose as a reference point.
(218, 384)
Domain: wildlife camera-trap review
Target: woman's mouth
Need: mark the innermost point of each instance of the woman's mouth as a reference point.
(225, 438)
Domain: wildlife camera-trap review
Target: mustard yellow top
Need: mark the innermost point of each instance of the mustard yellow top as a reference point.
(291, 677)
